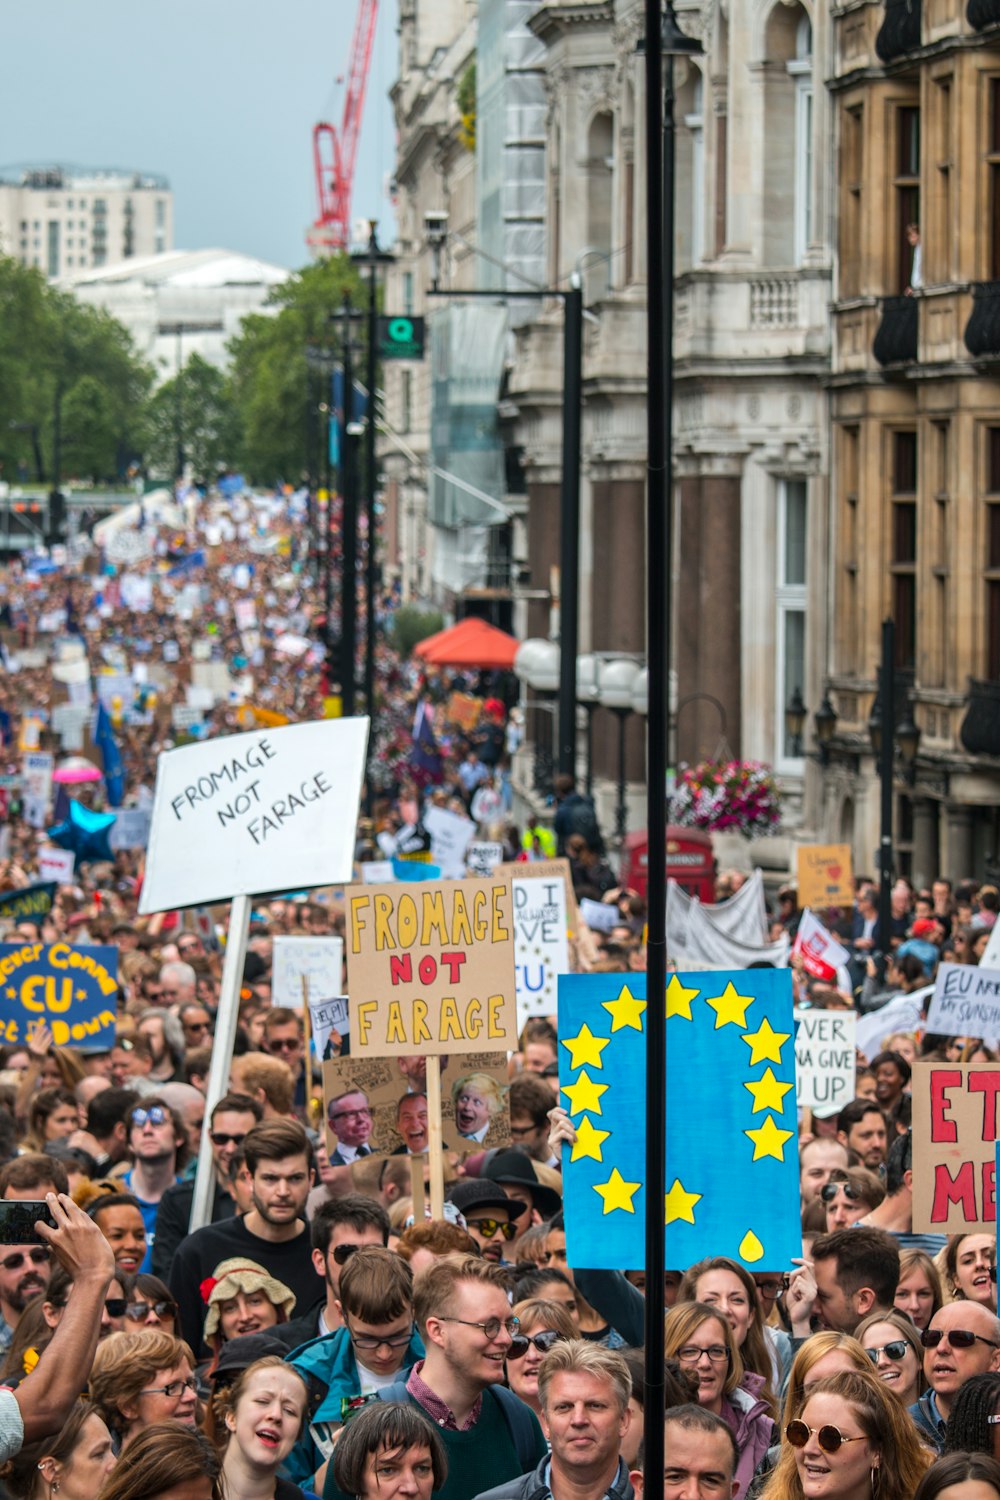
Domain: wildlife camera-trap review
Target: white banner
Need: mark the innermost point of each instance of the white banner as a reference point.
(56, 864)
(541, 950)
(824, 1059)
(708, 948)
(273, 810)
(966, 1002)
(821, 953)
(317, 960)
(904, 1013)
(130, 829)
(482, 858)
(451, 835)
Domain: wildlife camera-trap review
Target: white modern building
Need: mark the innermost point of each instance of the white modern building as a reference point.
(180, 303)
(61, 219)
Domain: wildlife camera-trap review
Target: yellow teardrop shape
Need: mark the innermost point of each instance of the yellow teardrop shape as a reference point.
(750, 1247)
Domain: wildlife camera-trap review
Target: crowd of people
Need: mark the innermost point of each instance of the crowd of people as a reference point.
(322, 1335)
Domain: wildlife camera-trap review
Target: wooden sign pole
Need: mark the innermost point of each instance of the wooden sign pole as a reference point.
(435, 1144)
(417, 1188)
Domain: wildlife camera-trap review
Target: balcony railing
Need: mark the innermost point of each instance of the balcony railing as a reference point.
(982, 332)
(896, 338)
(983, 13)
(980, 731)
(774, 302)
(900, 31)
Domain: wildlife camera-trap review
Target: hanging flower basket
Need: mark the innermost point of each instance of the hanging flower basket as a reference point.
(735, 796)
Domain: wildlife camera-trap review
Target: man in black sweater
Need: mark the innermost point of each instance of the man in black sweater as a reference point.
(274, 1233)
(233, 1118)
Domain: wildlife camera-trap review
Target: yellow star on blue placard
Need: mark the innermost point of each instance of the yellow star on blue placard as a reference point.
(585, 1048)
(766, 1044)
(768, 1093)
(617, 1193)
(679, 1204)
(679, 999)
(584, 1094)
(625, 1011)
(730, 1007)
(768, 1140)
(589, 1141)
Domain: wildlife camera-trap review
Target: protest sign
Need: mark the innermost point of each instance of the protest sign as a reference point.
(317, 960)
(451, 835)
(541, 949)
(822, 955)
(954, 1147)
(463, 711)
(328, 1022)
(482, 858)
(37, 767)
(824, 875)
(966, 1002)
(379, 1106)
(377, 872)
(431, 967)
(541, 869)
(732, 1173)
(56, 864)
(600, 916)
(131, 830)
(250, 813)
(32, 901)
(824, 1059)
(73, 990)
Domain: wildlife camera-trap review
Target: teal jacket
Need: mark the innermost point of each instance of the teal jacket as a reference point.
(329, 1361)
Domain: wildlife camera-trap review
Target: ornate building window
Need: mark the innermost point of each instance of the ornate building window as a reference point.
(907, 189)
(903, 544)
(800, 69)
(695, 122)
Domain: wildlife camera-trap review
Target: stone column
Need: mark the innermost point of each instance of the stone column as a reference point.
(926, 858)
(959, 841)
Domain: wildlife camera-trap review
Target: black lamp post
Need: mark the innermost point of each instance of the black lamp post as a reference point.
(885, 734)
(663, 36)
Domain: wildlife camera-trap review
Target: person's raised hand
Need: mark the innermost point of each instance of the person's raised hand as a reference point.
(76, 1241)
(561, 1130)
(38, 1041)
(800, 1298)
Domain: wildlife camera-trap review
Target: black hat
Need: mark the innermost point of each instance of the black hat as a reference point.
(473, 1192)
(519, 1170)
(238, 1354)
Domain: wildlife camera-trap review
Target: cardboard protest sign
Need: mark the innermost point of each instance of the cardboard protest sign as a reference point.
(431, 967)
(451, 835)
(328, 1022)
(966, 1002)
(541, 869)
(32, 901)
(733, 1169)
(378, 1105)
(824, 1059)
(541, 949)
(317, 960)
(954, 1147)
(73, 990)
(824, 875)
(131, 830)
(273, 810)
(56, 864)
(482, 858)
(463, 711)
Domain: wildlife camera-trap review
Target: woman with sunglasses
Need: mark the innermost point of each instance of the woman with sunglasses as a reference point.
(142, 1378)
(853, 1441)
(970, 1268)
(542, 1325)
(974, 1419)
(893, 1345)
(701, 1338)
(726, 1285)
(918, 1290)
(149, 1304)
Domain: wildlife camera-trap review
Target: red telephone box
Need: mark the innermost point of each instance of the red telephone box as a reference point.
(690, 862)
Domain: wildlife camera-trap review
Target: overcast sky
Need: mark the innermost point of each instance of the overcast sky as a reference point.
(219, 95)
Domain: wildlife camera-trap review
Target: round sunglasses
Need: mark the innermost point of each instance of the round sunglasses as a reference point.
(829, 1438)
(543, 1342)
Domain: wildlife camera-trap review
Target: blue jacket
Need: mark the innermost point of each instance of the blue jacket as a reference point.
(928, 1419)
(329, 1361)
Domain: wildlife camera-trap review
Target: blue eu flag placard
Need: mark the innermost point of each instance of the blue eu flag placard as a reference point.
(732, 1180)
(73, 990)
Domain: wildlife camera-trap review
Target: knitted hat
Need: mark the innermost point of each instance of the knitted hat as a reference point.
(234, 1276)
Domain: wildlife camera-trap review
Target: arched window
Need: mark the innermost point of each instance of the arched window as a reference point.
(800, 70)
(600, 163)
(788, 112)
(695, 122)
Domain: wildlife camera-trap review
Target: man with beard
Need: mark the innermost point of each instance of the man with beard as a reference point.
(158, 1147)
(273, 1233)
(24, 1272)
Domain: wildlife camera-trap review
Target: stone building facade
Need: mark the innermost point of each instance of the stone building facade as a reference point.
(915, 514)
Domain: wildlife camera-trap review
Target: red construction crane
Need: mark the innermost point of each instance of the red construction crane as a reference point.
(334, 153)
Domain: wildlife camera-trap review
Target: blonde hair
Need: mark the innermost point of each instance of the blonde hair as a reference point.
(538, 1312)
(684, 1318)
(576, 1356)
(491, 1090)
(809, 1354)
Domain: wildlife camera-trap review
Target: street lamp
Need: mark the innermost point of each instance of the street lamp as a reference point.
(589, 698)
(824, 723)
(616, 681)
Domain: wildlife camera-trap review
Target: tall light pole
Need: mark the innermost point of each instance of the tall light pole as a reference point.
(663, 36)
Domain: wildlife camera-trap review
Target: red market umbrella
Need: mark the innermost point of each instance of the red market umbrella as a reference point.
(470, 643)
